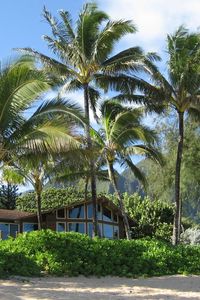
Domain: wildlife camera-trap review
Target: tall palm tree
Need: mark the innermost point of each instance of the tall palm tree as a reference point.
(85, 61)
(179, 90)
(122, 135)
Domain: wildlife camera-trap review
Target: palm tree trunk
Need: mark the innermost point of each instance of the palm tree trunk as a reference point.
(120, 199)
(39, 210)
(38, 193)
(178, 202)
(92, 165)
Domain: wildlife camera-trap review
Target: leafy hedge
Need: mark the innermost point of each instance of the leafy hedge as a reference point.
(73, 254)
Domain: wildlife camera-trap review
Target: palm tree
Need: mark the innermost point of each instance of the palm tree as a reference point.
(35, 170)
(122, 135)
(48, 130)
(85, 60)
(178, 91)
(20, 85)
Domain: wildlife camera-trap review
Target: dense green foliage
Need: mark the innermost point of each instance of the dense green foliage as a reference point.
(152, 218)
(51, 198)
(162, 179)
(73, 254)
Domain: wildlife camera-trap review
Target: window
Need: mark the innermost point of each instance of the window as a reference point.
(77, 227)
(61, 213)
(76, 212)
(60, 227)
(14, 229)
(89, 211)
(7, 230)
(107, 214)
(116, 232)
(4, 228)
(90, 228)
(27, 227)
(108, 231)
(99, 212)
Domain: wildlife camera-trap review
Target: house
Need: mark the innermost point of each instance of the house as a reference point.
(75, 217)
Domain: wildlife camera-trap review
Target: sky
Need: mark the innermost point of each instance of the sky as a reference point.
(22, 24)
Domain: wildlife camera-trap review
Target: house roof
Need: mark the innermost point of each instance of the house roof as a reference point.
(12, 215)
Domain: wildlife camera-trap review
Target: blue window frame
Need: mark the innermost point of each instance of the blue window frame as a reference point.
(90, 228)
(60, 227)
(27, 227)
(77, 227)
(89, 211)
(8, 229)
(108, 231)
(4, 228)
(107, 214)
(77, 212)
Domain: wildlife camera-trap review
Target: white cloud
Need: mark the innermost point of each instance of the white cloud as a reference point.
(154, 19)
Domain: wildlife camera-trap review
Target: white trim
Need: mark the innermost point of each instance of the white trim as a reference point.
(59, 218)
(61, 223)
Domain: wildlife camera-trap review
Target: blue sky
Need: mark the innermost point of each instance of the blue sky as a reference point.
(22, 25)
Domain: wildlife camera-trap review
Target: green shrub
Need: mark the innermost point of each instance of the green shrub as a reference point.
(73, 254)
(152, 218)
(16, 263)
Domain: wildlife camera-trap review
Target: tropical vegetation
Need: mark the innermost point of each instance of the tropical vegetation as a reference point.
(76, 254)
(85, 61)
(57, 142)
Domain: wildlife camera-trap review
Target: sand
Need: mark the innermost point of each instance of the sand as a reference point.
(107, 288)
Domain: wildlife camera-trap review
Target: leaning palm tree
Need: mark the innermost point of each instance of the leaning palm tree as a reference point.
(85, 61)
(180, 91)
(120, 137)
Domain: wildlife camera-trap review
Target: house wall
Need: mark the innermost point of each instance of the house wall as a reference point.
(51, 220)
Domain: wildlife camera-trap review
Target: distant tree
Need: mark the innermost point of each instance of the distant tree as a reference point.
(8, 196)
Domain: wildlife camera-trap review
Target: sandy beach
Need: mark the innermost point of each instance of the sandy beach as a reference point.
(107, 288)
